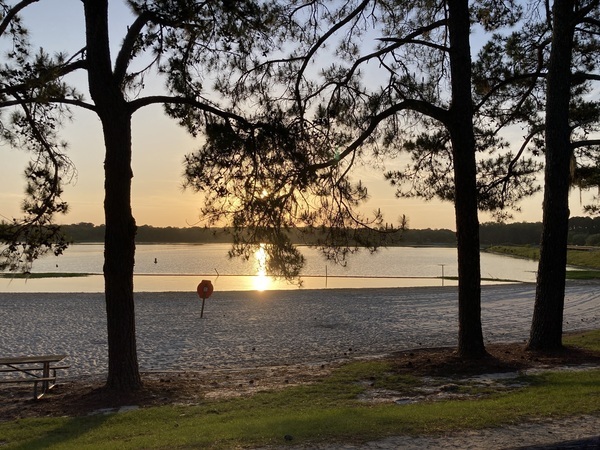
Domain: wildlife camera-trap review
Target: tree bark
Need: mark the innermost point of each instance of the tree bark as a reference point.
(470, 334)
(119, 251)
(547, 322)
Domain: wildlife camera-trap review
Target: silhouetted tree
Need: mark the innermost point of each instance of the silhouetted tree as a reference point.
(168, 35)
(574, 29)
(539, 76)
(330, 118)
(31, 128)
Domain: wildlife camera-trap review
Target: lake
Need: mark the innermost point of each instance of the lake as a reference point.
(180, 267)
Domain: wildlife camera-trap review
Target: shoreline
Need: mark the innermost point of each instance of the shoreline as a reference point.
(178, 283)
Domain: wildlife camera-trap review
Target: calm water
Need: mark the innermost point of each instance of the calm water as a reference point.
(180, 267)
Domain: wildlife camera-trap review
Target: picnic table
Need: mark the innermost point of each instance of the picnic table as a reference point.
(39, 369)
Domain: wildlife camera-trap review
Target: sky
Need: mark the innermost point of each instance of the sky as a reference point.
(159, 146)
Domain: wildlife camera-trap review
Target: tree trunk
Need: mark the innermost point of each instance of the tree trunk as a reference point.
(470, 334)
(119, 251)
(547, 322)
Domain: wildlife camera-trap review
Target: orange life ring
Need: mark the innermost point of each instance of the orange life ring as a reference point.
(205, 288)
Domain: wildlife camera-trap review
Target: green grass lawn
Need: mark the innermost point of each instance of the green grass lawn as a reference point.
(324, 411)
(584, 259)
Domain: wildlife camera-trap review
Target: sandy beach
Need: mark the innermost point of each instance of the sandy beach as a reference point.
(251, 329)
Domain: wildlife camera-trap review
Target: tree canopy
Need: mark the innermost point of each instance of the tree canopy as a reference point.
(168, 37)
(356, 83)
(33, 127)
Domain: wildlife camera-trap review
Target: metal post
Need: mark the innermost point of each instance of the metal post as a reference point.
(442, 272)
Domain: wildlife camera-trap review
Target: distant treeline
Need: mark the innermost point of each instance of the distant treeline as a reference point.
(88, 232)
(583, 231)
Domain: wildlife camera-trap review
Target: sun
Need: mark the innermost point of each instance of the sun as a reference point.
(262, 281)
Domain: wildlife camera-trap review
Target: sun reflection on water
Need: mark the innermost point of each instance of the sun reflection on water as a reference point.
(262, 281)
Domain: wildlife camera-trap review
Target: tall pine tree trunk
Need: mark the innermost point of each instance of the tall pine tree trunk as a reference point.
(547, 322)
(470, 335)
(119, 252)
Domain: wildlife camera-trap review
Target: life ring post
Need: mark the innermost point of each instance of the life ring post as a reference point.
(204, 290)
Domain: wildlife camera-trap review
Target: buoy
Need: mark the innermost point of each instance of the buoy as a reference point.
(205, 289)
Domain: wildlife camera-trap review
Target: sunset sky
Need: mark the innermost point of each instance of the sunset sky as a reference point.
(159, 146)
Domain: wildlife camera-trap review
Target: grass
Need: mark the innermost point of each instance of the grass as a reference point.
(583, 274)
(43, 275)
(503, 280)
(585, 259)
(589, 340)
(519, 251)
(327, 410)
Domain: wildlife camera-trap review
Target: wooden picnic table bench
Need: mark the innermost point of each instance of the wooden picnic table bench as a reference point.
(39, 369)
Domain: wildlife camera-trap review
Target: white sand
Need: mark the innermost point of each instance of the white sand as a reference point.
(247, 329)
